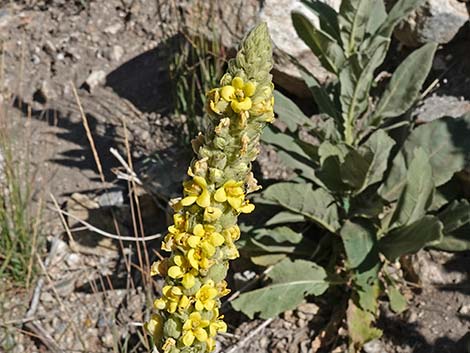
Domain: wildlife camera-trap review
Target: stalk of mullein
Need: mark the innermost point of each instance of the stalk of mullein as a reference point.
(201, 240)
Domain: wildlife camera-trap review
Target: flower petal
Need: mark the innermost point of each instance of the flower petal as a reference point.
(237, 82)
(188, 200)
(249, 89)
(220, 195)
(227, 93)
(204, 200)
(188, 338)
(200, 334)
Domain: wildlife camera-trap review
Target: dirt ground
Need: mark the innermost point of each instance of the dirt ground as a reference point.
(111, 58)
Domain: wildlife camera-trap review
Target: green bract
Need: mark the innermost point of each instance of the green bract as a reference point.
(375, 184)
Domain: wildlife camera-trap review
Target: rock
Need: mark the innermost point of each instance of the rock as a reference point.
(95, 79)
(73, 260)
(435, 21)
(374, 346)
(277, 14)
(464, 309)
(436, 107)
(117, 53)
(114, 28)
(308, 308)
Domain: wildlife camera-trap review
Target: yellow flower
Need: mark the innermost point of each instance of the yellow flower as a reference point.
(196, 191)
(173, 299)
(182, 269)
(246, 207)
(206, 238)
(217, 325)
(232, 192)
(194, 328)
(197, 259)
(177, 233)
(238, 94)
(205, 297)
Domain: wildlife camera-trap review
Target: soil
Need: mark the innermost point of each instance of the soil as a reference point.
(114, 54)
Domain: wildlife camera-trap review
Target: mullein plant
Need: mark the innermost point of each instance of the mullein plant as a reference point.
(201, 240)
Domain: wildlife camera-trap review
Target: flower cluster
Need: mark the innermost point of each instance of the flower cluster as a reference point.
(203, 235)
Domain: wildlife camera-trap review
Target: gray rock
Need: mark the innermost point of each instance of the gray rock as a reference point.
(277, 14)
(117, 53)
(435, 21)
(374, 346)
(95, 79)
(436, 107)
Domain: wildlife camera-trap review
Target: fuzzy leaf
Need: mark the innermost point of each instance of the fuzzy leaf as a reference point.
(358, 239)
(353, 19)
(267, 260)
(323, 101)
(327, 15)
(411, 238)
(398, 302)
(447, 143)
(324, 46)
(405, 84)
(459, 240)
(379, 15)
(285, 217)
(456, 215)
(289, 113)
(291, 281)
(416, 196)
(315, 205)
(397, 13)
(360, 326)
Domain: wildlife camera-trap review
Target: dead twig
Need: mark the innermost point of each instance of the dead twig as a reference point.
(104, 233)
(252, 334)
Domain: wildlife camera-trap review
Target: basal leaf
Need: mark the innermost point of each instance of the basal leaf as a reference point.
(456, 215)
(398, 302)
(327, 15)
(289, 113)
(285, 217)
(267, 260)
(397, 13)
(315, 205)
(353, 19)
(405, 85)
(447, 143)
(411, 238)
(417, 194)
(324, 46)
(358, 239)
(323, 101)
(355, 167)
(291, 281)
(360, 327)
(379, 15)
(280, 234)
(459, 240)
(381, 145)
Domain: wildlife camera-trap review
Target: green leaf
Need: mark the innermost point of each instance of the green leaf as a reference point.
(405, 85)
(398, 302)
(280, 234)
(411, 238)
(323, 101)
(315, 205)
(447, 143)
(353, 19)
(395, 182)
(360, 327)
(285, 217)
(324, 46)
(381, 145)
(267, 260)
(417, 194)
(459, 240)
(358, 240)
(379, 15)
(456, 215)
(355, 86)
(289, 113)
(366, 165)
(399, 11)
(327, 15)
(291, 282)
